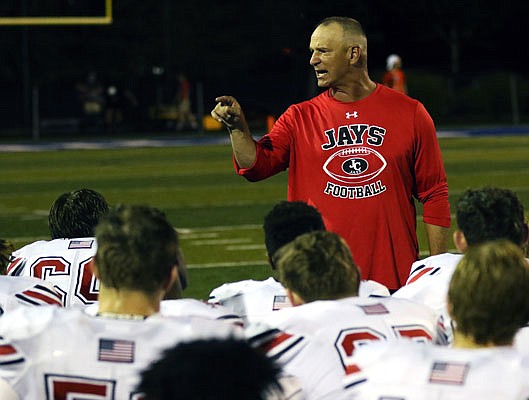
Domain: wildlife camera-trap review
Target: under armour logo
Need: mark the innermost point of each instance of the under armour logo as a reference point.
(354, 114)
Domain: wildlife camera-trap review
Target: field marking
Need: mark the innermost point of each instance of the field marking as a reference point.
(200, 235)
(228, 264)
(219, 228)
(218, 242)
(246, 247)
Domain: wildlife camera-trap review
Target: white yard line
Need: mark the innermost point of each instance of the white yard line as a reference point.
(219, 242)
(228, 264)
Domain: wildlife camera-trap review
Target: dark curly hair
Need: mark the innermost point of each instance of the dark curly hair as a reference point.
(214, 369)
(75, 214)
(286, 221)
(491, 213)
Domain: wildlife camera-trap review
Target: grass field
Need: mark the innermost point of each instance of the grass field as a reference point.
(218, 213)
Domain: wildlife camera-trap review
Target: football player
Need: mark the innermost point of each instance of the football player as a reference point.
(488, 303)
(483, 214)
(322, 281)
(65, 352)
(253, 299)
(22, 291)
(64, 260)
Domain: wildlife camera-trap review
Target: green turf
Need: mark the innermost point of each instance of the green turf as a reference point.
(218, 213)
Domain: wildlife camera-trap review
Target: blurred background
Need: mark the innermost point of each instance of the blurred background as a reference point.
(119, 73)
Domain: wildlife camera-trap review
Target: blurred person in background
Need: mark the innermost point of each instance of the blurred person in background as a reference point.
(120, 106)
(91, 94)
(395, 77)
(185, 117)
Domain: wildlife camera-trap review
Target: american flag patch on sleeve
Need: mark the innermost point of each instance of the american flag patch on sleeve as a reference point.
(372, 309)
(112, 350)
(80, 244)
(449, 373)
(281, 302)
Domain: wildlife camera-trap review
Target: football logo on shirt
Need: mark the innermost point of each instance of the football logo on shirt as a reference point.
(354, 160)
(354, 164)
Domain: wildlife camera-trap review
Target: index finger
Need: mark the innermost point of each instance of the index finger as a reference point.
(226, 100)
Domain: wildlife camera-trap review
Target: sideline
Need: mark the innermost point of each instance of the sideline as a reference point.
(484, 131)
(110, 144)
(197, 140)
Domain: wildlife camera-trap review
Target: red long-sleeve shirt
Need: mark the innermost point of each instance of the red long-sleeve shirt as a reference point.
(361, 164)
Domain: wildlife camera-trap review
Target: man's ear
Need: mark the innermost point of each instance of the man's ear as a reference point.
(181, 269)
(460, 241)
(172, 287)
(294, 298)
(92, 266)
(355, 53)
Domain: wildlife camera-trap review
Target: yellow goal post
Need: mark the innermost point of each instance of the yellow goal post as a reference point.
(61, 20)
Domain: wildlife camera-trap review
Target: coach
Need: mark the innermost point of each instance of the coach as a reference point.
(359, 152)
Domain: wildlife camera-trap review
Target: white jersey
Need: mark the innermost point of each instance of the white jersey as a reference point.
(198, 308)
(413, 372)
(63, 262)
(47, 350)
(17, 291)
(7, 392)
(308, 359)
(349, 323)
(521, 340)
(428, 284)
(253, 300)
(370, 288)
(187, 308)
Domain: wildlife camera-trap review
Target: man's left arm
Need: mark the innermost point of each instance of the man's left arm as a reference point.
(438, 237)
(431, 183)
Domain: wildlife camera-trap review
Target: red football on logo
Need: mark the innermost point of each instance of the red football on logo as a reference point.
(354, 164)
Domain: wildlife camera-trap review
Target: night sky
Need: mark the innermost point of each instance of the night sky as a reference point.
(255, 50)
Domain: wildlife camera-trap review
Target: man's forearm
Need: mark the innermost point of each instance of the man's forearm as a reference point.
(438, 237)
(243, 146)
